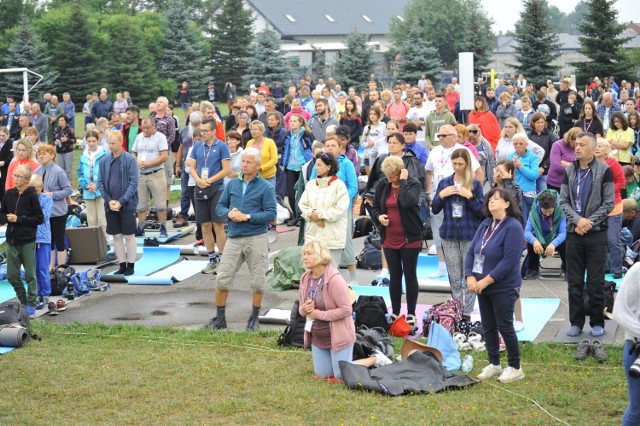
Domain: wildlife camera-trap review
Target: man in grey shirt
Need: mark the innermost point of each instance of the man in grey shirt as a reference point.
(321, 120)
(151, 151)
(40, 122)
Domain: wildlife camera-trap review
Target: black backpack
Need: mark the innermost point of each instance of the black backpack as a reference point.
(370, 257)
(363, 227)
(12, 313)
(293, 334)
(61, 278)
(371, 311)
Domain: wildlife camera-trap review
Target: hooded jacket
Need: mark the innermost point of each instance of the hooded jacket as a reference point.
(27, 207)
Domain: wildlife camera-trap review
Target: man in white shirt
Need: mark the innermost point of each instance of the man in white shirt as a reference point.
(418, 116)
(438, 167)
(430, 102)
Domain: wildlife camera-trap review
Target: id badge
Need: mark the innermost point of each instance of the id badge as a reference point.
(204, 174)
(142, 156)
(457, 210)
(578, 206)
(478, 264)
(308, 325)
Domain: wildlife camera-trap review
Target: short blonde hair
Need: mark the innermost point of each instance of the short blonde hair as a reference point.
(504, 96)
(629, 205)
(392, 166)
(321, 253)
(36, 182)
(115, 135)
(25, 170)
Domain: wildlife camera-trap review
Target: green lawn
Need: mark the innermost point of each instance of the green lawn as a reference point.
(99, 374)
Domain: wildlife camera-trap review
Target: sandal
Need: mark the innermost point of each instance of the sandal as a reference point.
(461, 342)
(475, 340)
(61, 305)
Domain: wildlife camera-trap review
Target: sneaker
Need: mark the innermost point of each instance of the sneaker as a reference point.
(354, 282)
(439, 274)
(598, 351)
(31, 311)
(61, 305)
(217, 323)
(381, 359)
(531, 274)
(253, 324)
(583, 350)
(511, 374)
(411, 320)
(384, 273)
(53, 309)
(151, 242)
(597, 331)
(518, 326)
(617, 275)
(42, 302)
(211, 267)
(163, 231)
(490, 371)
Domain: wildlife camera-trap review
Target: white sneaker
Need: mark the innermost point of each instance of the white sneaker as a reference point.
(352, 283)
(384, 273)
(518, 326)
(490, 371)
(439, 273)
(381, 359)
(511, 374)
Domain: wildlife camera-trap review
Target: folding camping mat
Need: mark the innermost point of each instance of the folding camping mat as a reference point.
(276, 316)
(428, 265)
(4, 350)
(170, 237)
(610, 327)
(153, 259)
(369, 290)
(174, 273)
(139, 250)
(6, 291)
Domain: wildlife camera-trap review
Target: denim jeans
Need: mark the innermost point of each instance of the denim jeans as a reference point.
(527, 202)
(541, 183)
(325, 361)
(185, 199)
(496, 313)
(615, 246)
(632, 415)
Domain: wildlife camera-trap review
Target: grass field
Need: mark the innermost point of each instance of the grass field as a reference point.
(99, 374)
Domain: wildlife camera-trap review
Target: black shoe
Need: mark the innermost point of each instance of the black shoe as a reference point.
(617, 276)
(253, 324)
(217, 323)
(531, 274)
(129, 270)
(292, 222)
(122, 269)
(151, 242)
(109, 258)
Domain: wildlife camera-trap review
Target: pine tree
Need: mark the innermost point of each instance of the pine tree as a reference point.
(265, 61)
(80, 66)
(184, 51)
(417, 57)
(602, 43)
(537, 43)
(355, 64)
(319, 64)
(230, 42)
(27, 51)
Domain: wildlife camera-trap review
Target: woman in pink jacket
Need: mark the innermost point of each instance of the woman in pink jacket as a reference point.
(325, 302)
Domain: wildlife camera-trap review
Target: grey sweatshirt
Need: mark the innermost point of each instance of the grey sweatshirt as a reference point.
(626, 309)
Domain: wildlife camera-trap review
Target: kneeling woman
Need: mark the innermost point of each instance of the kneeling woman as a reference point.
(325, 302)
(492, 268)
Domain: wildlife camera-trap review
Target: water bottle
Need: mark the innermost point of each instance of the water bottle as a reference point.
(388, 318)
(353, 315)
(467, 363)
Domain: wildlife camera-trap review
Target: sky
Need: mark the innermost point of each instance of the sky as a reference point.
(506, 13)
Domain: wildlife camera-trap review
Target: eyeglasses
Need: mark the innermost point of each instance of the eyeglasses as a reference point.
(444, 136)
(15, 176)
(474, 131)
(205, 130)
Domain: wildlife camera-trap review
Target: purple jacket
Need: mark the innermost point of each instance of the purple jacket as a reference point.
(559, 152)
(338, 309)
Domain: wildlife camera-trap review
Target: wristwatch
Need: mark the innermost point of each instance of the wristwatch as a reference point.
(248, 217)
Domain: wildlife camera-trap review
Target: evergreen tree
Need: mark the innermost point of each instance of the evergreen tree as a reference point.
(26, 51)
(265, 61)
(417, 57)
(355, 64)
(537, 43)
(319, 64)
(230, 42)
(602, 43)
(81, 68)
(184, 53)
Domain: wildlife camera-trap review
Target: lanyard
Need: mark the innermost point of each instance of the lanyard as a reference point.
(486, 240)
(313, 290)
(206, 157)
(580, 180)
(548, 222)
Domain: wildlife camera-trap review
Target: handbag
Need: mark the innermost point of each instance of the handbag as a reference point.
(208, 192)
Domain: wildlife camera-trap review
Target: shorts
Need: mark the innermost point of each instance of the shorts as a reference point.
(153, 185)
(254, 250)
(123, 222)
(58, 225)
(206, 210)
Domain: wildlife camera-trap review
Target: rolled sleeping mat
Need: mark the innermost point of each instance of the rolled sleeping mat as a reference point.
(13, 337)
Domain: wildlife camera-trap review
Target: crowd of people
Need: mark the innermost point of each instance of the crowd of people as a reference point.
(543, 169)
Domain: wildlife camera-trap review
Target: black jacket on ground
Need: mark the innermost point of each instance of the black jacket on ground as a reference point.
(27, 207)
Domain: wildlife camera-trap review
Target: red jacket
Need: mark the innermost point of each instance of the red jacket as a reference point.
(488, 124)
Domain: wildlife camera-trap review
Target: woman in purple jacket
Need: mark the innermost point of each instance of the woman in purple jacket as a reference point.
(325, 302)
(562, 155)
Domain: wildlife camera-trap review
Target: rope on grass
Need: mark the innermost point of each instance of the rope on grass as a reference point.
(572, 366)
(532, 400)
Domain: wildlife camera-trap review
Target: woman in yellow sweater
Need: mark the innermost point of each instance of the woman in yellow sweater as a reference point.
(620, 137)
(268, 150)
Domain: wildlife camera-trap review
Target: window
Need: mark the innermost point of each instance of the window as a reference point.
(366, 18)
(329, 18)
(290, 18)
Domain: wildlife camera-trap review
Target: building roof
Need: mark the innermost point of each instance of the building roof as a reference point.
(329, 17)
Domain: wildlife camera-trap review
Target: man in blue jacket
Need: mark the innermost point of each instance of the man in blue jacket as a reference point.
(249, 202)
(118, 183)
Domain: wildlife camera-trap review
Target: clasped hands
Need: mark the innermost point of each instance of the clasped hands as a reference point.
(237, 216)
(476, 286)
(314, 218)
(308, 307)
(538, 249)
(584, 225)
(454, 190)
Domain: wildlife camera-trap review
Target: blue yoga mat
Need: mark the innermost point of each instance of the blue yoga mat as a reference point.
(174, 273)
(6, 291)
(154, 259)
(365, 290)
(161, 240)
(536, 313)
(4, 350)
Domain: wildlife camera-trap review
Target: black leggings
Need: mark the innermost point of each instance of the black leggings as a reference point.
(402, 261)
(58, 225)
(292, 177)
